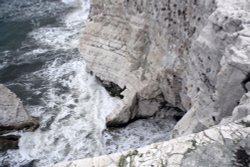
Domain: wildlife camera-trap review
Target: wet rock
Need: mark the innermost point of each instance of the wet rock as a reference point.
(29, 164)
(9, 142)
(113, 89)
(12, 113)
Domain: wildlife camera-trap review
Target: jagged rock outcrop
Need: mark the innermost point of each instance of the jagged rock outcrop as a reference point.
(221, 146)
(12, 113)
(194, 53)
(219, 55)
(241, 111)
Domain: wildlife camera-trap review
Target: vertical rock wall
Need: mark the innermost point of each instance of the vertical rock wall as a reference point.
(189, 53)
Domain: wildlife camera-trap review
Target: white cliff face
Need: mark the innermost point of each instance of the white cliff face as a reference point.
(141, 47)
(194, 53)
(218, 67)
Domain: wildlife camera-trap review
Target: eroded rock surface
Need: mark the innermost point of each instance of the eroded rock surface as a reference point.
(194, 53)
(220, 57)
(12, 113)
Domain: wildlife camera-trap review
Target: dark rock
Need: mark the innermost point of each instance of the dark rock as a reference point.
(9, 142)
(113, 89)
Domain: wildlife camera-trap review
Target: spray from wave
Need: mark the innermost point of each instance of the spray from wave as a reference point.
(69, 103)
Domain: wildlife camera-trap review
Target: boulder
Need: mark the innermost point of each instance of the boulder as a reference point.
(13, 116)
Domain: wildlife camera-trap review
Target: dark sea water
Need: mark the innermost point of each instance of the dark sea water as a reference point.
(20, 54)
(40, 62)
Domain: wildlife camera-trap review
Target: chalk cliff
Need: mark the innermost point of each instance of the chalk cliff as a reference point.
(192, 55)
